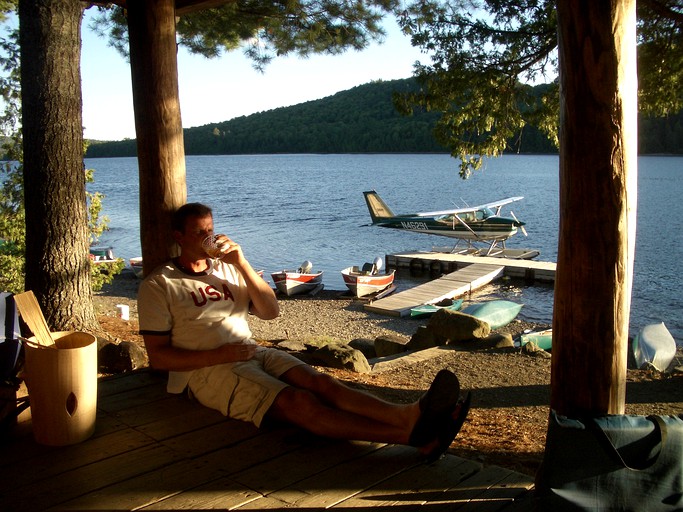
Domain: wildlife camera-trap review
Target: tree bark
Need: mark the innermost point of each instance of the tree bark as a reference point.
(57, 237)
(598, 186)
(161, 154)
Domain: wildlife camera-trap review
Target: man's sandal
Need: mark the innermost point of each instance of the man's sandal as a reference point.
(451, 428)
(437, 404)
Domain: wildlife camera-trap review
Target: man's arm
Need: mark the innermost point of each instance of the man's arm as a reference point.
(163, 356)
(262, 297)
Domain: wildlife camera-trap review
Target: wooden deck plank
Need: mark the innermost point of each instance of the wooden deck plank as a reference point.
(187, 473)
(275, 474)
(491, 489)
(330, 487)
(163, 452)
(418, 486)
(451, 285)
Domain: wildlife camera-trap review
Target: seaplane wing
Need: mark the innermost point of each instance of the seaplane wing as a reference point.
(481, 223)
(469, 209)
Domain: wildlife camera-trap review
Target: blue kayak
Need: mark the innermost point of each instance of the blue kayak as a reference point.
(497, 313)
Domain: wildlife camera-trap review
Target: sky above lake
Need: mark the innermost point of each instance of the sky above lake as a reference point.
(215, 90)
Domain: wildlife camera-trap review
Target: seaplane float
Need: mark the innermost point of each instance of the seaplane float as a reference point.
(481, 224)
(367, 280)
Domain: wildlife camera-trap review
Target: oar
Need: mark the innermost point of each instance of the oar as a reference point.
(30, 311)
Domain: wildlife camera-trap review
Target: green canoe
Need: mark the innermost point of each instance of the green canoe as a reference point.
(497, 313)
(544, 339)
(429, 309)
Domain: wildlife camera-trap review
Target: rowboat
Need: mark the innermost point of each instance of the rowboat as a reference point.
(296, 282)
(367, 280)
(429, 309)
(136, 266)
(102, 255)
(655, 346)
(543, 339)
(497, 313)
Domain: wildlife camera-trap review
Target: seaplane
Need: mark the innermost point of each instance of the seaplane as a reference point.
(481, 224)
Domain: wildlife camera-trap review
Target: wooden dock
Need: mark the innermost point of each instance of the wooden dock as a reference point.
(454, 284)
(155, 451)
(443, 262)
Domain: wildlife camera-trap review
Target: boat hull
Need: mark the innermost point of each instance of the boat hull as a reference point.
(362, 285)
(497, 313)
(136, 266)
(290, 282)
(655, 346)
(543, 339)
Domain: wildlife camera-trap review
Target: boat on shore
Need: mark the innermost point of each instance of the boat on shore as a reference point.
(654, 345)
(367, 280)
(497, 313)
(543, 339)
(297, 282)
(102, 254)
(136, 266)
(424, 310)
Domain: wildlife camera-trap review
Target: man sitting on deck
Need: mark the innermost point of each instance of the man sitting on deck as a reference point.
(193, 313)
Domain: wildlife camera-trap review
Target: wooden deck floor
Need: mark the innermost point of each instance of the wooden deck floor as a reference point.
(155, 451)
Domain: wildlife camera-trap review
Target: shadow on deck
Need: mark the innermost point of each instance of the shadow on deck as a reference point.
(155, 451)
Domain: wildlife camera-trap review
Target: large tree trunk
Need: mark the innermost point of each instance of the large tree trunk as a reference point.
(598, 181)
(57, 263)
(161, 153)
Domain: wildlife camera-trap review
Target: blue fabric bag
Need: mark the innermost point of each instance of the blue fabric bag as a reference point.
(612, 463)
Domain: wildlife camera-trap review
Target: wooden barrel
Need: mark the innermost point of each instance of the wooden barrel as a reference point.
(62, 388)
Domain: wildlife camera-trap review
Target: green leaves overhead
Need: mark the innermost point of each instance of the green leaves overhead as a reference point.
(482, 53)
(266, 29)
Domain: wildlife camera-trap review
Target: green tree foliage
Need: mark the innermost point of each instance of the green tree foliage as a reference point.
(483, 52)
(268, 28)
(12, 217)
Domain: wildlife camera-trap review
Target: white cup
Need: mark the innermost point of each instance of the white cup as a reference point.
(123, 311)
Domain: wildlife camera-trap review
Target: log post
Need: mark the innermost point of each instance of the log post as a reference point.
(598, 185)
(158, 125)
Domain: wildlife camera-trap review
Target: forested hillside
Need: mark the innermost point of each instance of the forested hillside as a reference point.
(359, 120)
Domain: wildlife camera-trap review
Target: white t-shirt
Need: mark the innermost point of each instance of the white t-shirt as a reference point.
(199, 311)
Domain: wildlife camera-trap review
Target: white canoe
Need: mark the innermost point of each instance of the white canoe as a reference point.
(655, 346)
(497, 313)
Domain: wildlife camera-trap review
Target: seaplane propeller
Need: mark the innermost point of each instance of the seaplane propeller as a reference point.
(521, 226)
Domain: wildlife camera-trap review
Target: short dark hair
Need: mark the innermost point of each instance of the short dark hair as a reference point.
(186, 211)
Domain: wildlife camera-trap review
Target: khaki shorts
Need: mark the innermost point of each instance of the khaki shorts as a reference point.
(244, 390)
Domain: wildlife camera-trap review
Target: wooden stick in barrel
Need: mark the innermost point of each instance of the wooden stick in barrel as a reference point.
(30, 312)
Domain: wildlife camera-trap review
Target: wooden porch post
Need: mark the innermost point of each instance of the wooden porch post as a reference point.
(161, 153)
(598, 185)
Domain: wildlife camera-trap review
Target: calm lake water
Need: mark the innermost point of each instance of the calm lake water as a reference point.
(284, 209)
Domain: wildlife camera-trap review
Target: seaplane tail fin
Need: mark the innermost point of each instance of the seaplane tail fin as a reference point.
(378, 208)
